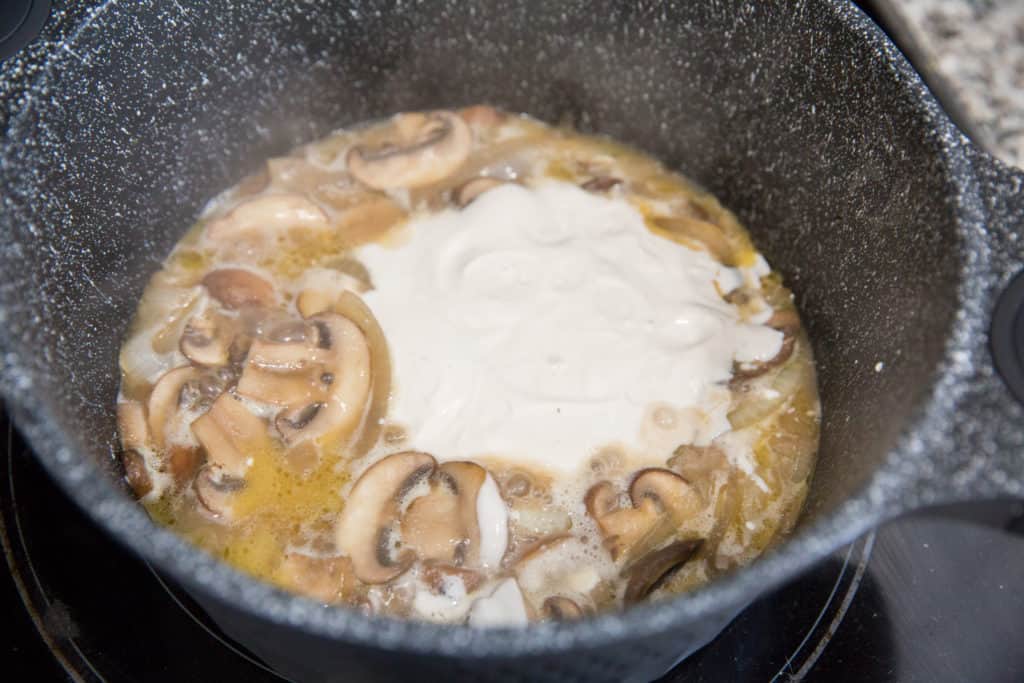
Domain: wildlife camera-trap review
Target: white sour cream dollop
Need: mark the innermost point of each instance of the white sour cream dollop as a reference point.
(540, 324)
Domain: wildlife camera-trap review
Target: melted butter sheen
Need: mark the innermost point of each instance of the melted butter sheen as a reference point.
(539, 324)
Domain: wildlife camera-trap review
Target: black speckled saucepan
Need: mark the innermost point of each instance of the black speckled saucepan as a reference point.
(896, 234)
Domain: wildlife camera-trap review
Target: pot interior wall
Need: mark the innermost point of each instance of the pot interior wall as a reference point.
(783, 113)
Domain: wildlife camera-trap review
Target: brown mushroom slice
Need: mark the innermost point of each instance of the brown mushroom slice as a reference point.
(206, 340)
(561, 608)
(662, 502)
(279, 388)
(465, 193)
(367, 522)
(132, 425)
(355, 309)
(621, 527)
(231, 435)
(483, 116)
(425, 148)
(268, 214)
(136, 474)
(321, 287)
(601, 183)
(215, 491)
(236, 288)
(327, 579)
(165, 400)
(369, 220)
(692, 231)
(669, 492)
(348, 366)
(442, 525)
(183, 462)
(279, 357)
(788, 323)
(646, 574)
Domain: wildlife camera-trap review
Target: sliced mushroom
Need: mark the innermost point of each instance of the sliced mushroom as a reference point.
(697, 463)
(662, 501)
(367, 524)
(231, 435)
(166, 399)
(465, 193)
(424, 149)
(206, 340)
(135, 473)
(298, 389)
(356, 310)
(693, 231)
(648, 573)
(601, 183)
(347, 366)
(274, 214)
(322, 377)
(183, 462)
(786, 321)
(132, 424)
(216, 490)
(561, 608)
(327, 579)
(321, 287)
(483, 116)
(236, 288)
(442, 525)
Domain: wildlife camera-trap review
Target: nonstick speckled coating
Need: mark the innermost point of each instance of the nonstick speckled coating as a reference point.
(895, 234)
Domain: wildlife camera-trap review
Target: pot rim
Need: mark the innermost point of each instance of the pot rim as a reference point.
(82, 480)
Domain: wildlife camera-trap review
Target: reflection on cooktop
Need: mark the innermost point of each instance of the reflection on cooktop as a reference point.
(925, 599)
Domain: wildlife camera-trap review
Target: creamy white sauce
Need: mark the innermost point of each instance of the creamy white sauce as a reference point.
(503, 607)
(492, 518)
(540, 324)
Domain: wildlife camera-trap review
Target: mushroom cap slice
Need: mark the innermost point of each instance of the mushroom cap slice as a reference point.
(366, 523)
(442, 525)
(268, 214)
(355, 309)
(645, 575)
(424, 149)
(206, 340)
(216, 491)
(668, 491)
(136, 474)
(347, 361)
(133, 426)
(231, 435)
(165, 400)
(561, 608)
(465, 193)
(235, 288)
(662, 502)
(788, 323)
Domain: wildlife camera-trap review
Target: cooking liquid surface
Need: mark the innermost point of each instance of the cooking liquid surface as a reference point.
(466, 367)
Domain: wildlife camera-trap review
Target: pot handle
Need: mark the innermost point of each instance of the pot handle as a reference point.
(978, 453)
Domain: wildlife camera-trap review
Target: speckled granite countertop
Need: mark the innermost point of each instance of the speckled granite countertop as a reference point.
(972, 54)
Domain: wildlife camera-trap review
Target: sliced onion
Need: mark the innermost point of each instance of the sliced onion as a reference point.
(353, 308)
(756, 405)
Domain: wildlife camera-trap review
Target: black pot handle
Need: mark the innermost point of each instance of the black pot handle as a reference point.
(974, 447)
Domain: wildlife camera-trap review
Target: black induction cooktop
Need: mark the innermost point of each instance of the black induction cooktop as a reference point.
(931, 598)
